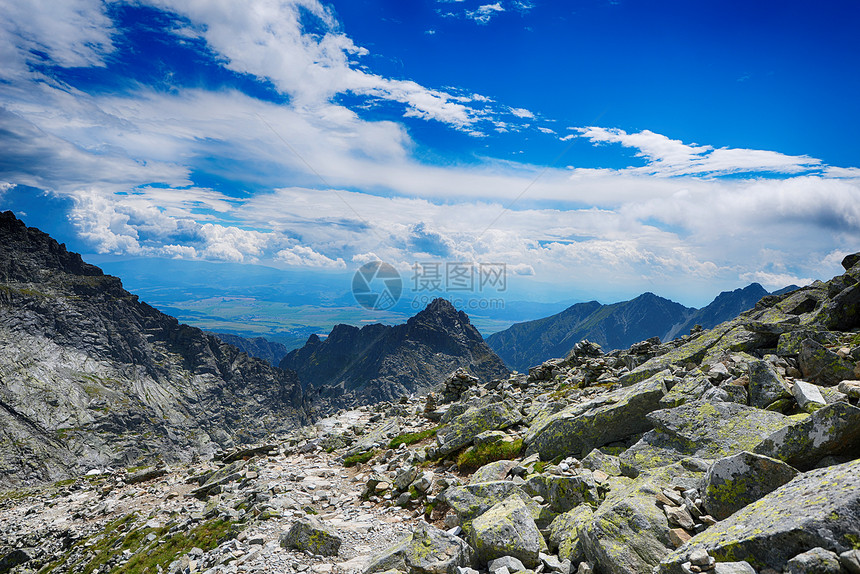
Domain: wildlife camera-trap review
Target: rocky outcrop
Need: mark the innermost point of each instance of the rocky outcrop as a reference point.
(380, 362)
(90, 376)
(270, 351)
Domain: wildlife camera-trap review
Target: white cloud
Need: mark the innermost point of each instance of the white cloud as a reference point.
(72, 33)
(302, 256)
(483, 14)
(668, 157)
(522, 113)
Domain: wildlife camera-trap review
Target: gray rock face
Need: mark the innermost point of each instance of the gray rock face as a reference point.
(93, 377)
(508, 529)
(831, 430)
(309, 533)
(473, 500)
(808, 396)
(735, 481)
(462, 430)
(612, 417)
(818, 508)
(493, 471)
(427, 551)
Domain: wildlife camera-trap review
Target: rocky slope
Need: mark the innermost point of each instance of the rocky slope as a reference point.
(380, 362)
(615, 326)
(732, 450)
(91, 376)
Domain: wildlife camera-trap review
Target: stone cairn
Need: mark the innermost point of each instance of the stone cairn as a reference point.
(456, 384)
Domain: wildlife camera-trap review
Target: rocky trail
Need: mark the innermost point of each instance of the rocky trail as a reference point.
(730, 450)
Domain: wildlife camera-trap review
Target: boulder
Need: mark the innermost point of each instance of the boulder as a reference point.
(733, 568)
(428, 550)
(821, 365)
(850, 561)
(564, 533)
(309, 533)
(815, 561)
(607, 418)
(629, 533)
(509, 562)
(766, 385)
(599, 460)
(493, 471)
(563, 492)
(508, 529)
(829, 431)
(690, 388)
(472, 500)
(461, 430)
(817, 508)
(789, 344)
(702, 429)
(808, 396)
(735, 481)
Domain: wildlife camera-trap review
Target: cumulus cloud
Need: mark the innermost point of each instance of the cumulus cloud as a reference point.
(303, 256)
(483, 14)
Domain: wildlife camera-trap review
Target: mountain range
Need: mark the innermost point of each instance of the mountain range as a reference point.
(382, 362)
(616, 326)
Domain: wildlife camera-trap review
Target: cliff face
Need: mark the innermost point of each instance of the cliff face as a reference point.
(380, 362)
(91, 376)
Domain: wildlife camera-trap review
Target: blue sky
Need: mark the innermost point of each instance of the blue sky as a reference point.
(599, 149)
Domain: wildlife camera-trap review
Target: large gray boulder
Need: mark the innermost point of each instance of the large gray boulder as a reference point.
(815, 561)
(564, 492)
(735, 481)
(702, 429)
(607, 418)
(818, 508)
(471, 500)
(766, 385)
(427, 550)
(831, 430)
(492, 471)
(461, 430)
(821, 365)
(309, 533)
(508, 529)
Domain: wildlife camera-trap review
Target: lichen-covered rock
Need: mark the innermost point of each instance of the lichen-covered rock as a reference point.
(808, 396)
(564, 533)
(817, 508)
(629, 533)
(789, 344)
(735, 481)
(821, 365)
(472, 500)
(508, 529)
(309, 533)
(428, 550)
(493, 471)
(741, 567)
(608, 418)
(563, 492)
(766, 385)
(599, 460)
(688, 389)
(831, 430)
(462, 430)
(702, 429)
(815, 561)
